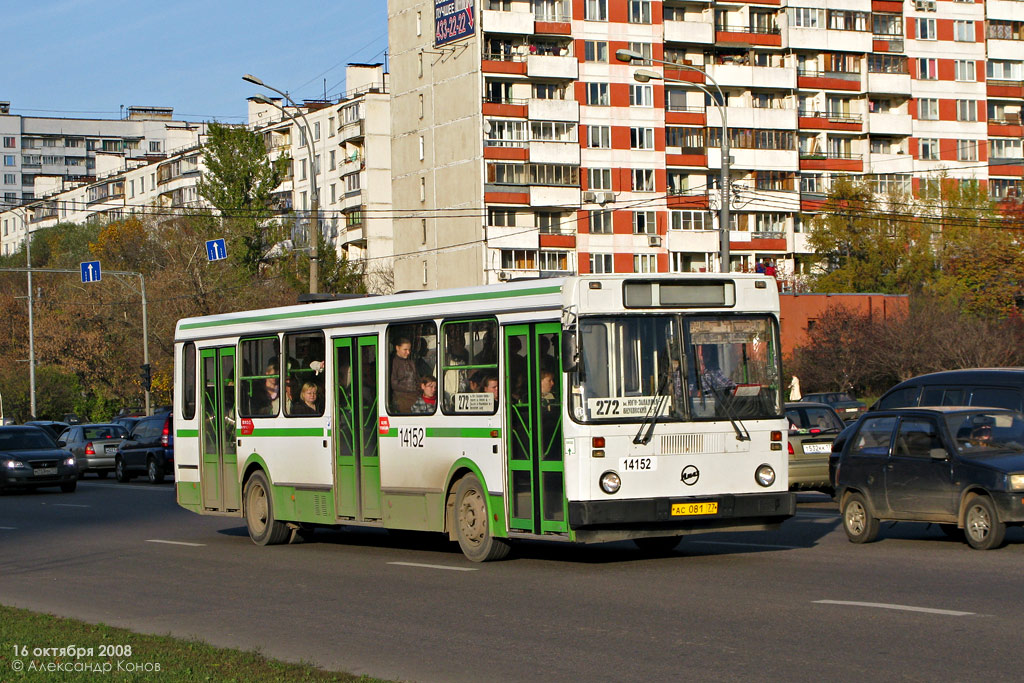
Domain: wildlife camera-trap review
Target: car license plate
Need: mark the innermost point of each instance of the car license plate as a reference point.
(683, 509)
(817, 448)
(45, 471)
(109, 450)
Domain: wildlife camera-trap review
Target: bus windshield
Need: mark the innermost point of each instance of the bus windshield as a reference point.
(676, 368)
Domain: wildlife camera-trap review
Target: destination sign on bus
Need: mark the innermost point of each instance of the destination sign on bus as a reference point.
(628, 406)
(474, 403)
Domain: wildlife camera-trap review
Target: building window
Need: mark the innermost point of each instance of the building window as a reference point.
(641, 138)
(1003, 70)
(501, 218)
(687, 262)
(154, 146)
(597, 95)
(548, 222)
(601, 222)
(963, 31)
(806, 17)
(925, 29)
(928, 149)
(553, 260)
(595, 10)
(601, 263)
(645, 50)
(690, 220)
(966, 150)
(9, 142)
(351, 182)
(518, 259)
(11, 179)
(316, 130)
(645, 223)
(599, 179)
(928, 109)
(966, 110)
(966, 70)
(928, 69)
(641, 95)
(9, 160)
(645, 263)
(599, 137)
(639, 11)
(332, 160)
(643, 180)
(595, 51)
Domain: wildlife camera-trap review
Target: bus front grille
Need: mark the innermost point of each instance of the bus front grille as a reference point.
(680, 444)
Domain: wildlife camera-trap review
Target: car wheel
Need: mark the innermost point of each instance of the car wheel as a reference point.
(69, 487)
(471, 524)
(259, 513)
(101, 474)
(120, 473)
(657, 545)
(154, 472)
(859, 524)
(982, 527)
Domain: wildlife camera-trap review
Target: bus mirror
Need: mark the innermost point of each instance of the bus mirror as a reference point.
(570, 352)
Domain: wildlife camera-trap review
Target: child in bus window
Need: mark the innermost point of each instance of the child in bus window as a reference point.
(426, 404)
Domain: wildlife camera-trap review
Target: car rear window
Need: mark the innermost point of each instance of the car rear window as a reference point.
(994, 397)
(901, 398)
(26, 441)
(104, 432)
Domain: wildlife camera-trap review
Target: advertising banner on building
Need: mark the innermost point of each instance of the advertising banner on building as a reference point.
(453, 20)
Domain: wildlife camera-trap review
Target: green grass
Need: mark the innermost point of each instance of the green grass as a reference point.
(178, 660)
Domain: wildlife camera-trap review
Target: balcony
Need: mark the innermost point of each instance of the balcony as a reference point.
(832, 161)
(756, 159)
(1006, 10)
(743, 76)
(1003, 46)
(754, 117)
(890, 124)
(564, 67)
(551, 110)
(998, 88)
(887, 43)
(896, 84)
(520, 23)
(555, 153)
(812, 79)
(726, 35)
(890, 163)
(701, 32)
(353, 130)
(828, 120)
(548, 195)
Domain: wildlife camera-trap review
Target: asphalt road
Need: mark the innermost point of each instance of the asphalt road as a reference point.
(800, 603)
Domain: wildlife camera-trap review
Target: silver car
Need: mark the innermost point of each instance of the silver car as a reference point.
(812, 429)
(93, 445)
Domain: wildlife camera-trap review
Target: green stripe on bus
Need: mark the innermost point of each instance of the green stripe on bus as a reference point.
(484, 296)
(288, 431)
(187, 433)
(453, 432)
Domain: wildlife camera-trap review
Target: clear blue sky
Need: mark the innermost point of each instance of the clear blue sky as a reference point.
(86, 58)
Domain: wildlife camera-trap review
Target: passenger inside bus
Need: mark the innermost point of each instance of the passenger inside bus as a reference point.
(426, 404)
(404, 377)
(308, 403)
(265, 399)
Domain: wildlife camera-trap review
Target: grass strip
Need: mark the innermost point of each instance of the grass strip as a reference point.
(42, 647)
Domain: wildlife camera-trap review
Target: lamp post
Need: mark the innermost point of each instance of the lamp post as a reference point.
(314, 222)
(644, 75)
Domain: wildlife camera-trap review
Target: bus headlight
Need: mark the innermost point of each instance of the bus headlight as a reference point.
(610, 482)
(765, 475)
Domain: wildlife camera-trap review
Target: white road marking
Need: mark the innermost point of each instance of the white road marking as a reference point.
(8, 528)
(434, 566)
(124, 487)
(157, 540)
(905, 608)
(70, 505)
(747, 545)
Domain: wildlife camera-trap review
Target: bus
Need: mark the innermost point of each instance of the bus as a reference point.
(588, 409)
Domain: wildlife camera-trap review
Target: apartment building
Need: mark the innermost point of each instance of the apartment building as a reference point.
(523, 147)
(34, 147)
(351, 166)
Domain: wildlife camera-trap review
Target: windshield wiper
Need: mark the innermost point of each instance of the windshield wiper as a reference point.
(741, 430)
(642, 438)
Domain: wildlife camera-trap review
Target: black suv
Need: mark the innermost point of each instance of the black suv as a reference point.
(962, 468)
(148, 448)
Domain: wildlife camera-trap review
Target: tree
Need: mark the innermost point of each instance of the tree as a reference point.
(239, 182)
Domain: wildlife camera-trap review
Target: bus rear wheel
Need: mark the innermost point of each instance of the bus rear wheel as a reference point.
(472, 528)
(259, 513)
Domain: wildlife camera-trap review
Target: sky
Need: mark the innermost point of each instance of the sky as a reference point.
(88, 58)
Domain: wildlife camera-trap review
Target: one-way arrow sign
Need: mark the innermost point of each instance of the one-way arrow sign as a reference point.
(91, 271)
(215, 250)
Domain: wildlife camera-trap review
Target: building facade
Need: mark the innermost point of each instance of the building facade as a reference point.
(526, 148)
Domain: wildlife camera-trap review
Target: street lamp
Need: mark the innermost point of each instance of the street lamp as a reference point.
(314, 223)
(645, 75)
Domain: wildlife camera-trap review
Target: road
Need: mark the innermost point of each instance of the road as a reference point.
(800, 603)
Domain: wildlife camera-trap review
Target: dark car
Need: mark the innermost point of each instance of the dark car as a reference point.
(148, 448)
(29, 458)
(93, 445)
(54, 427)
(958, 467)
(125, 421)
(812, 428)
(992, 387)
(848, 408)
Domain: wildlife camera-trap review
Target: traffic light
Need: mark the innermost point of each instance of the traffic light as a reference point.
(146, 373)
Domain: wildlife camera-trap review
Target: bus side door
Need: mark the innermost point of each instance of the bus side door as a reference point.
(219, 473)
(357, 454)
(533, 391)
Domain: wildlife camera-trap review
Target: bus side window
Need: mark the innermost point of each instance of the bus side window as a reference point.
(304, 374)
(469, 367)
(261, 377)
(412, 357)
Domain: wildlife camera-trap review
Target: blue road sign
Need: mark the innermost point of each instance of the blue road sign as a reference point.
(215, 250)
(91, 271)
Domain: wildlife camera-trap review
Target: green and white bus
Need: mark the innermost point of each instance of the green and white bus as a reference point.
(590, 409)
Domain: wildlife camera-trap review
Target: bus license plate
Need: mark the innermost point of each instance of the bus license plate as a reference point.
(45, 471)
(682, 509)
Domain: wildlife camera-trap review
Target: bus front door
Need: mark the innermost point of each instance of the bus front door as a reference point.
(357, 455)
(219, 474)
(533, 401)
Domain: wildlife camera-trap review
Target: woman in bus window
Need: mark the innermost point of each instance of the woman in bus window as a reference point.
(307, 403)
(405, 387)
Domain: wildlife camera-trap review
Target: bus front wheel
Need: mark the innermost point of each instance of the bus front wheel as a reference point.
(259, 513)
(472, 528)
